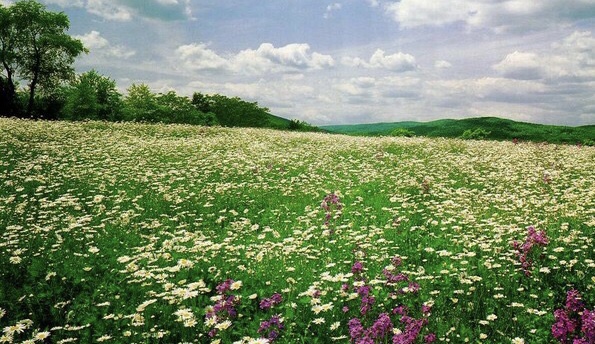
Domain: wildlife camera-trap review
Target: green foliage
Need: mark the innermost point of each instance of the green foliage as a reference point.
(235, 112)
(143, 105)
(36, 48)
(402, 132)
(477, 134)
(297, 125)
(500, 129)
(93, 96)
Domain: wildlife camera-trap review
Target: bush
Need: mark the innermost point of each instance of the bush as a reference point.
(477, 134)
(402, 132)
(298, 125)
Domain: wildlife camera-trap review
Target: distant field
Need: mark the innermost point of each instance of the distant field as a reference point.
(500, 129)
(131, 233)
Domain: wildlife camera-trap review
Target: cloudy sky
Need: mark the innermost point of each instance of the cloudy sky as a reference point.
(353, 61)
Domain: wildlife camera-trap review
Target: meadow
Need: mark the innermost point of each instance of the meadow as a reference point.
(136, 233)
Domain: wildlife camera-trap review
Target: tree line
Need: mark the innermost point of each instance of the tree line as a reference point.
(36, 51)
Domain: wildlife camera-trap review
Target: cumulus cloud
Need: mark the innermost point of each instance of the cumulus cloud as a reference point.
(442, 64)
(332, 8)
(398, 62)
(373, 3)
(198, 56)
(100, 46)
(499, 15)
(368, 90)
(573, 58)
(522, 66)
(109, 10)
(267, 58)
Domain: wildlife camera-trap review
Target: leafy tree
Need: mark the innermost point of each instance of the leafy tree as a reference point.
(402, 132)
(93, 96)
(202, 102)
(8, 60)
(143, 105)
(36, 48)
(233, 112)
(178, 109)
(297, 125)
(140, 104)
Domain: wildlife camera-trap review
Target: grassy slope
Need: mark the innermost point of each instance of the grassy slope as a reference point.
(501, 129)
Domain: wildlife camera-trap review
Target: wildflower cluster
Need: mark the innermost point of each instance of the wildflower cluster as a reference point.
(333, 207)
(271, 328)
(574, 323)
(383, 327)
(219, 316)
(268, 303)
(526, 251)
(11, 333)
(123, 232)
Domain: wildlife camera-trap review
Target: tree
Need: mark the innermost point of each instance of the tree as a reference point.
(402, 132)
(140, 104)
(143, 105)
(36, 47)
(232, 112)
(93, 96)
(8, 99)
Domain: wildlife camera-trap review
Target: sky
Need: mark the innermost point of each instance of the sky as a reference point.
(353, 61)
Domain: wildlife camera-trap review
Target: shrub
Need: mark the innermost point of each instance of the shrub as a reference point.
(402, 132)
(477, 134)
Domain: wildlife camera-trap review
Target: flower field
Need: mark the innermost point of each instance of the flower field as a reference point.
(131, 233)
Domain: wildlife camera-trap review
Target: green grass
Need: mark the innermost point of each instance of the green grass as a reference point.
(123, 232)
(500, 129)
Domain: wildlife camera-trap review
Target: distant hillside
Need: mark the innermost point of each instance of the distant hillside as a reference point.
(500, 129)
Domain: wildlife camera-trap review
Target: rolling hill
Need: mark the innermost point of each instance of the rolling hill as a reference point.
(500, 129)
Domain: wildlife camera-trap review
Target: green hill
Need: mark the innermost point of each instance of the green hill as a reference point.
(500, 129)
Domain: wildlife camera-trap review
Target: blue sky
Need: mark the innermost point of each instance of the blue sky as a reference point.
(353, 61)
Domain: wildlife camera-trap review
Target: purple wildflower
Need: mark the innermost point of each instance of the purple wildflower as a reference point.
(357, 268)
(573, 301)
(588, 327)
(268, 303)
(430, 338)
(355, 328)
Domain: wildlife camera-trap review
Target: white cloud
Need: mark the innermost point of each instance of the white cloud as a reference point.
(573, 58)
(442, 64)
(109, 10)
(198, 56)
(267, 58)
(522, 66)
(499, 15)
(100, 46)
(385, 90)
(332, 8)
(373, 3)
(398, 62)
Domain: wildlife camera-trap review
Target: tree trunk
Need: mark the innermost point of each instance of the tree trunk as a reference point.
(32, 87)
(31, 97)
(11, 93)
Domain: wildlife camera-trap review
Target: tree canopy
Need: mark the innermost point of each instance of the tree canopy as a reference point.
(35, 48)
